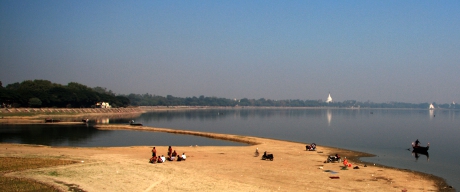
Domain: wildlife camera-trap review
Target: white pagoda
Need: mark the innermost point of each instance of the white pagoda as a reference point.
(329, 99)
(431, 106)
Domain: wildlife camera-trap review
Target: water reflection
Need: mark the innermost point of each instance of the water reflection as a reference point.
(46, 135)
(219, 114)
(88, 136)
(103, 120)
(329, 117)
(418, 154)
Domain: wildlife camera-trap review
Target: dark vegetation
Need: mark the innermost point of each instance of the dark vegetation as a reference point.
(12, 164)
(43, 93)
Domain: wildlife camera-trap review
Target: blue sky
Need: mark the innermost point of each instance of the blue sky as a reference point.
(407, 51)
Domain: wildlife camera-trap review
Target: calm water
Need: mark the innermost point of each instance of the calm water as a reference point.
(87, 136)
(387, 133)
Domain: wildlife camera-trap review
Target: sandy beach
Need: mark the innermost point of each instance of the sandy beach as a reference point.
(210, 168)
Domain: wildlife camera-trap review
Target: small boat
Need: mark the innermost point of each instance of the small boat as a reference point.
(134, 124)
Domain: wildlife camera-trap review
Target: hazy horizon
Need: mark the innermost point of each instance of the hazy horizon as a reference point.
(381, 51)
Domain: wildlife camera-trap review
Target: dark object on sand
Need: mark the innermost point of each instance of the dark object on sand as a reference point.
(267, 156)
(334, 177)
(333, 159)
(311, 147)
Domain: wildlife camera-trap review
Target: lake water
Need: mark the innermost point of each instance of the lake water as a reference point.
(87, 136)
(386, 133)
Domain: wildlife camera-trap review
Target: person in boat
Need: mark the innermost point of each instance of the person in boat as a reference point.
(417, 143)
(154, 152)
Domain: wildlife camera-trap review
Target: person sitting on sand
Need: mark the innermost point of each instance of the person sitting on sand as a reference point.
(172, 158)
(153, 159)
(163, 158)
(173, 155)
(311, 147)
(345, 162)
(183, 157)
(160, 160)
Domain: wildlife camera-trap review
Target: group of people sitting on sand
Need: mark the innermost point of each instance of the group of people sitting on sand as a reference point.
(172, 156)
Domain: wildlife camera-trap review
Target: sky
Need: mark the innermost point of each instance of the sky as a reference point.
(379, 51)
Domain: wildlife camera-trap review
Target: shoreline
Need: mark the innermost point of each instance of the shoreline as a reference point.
(352, 156)
(437, 183)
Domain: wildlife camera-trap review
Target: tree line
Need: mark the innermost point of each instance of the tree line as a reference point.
(43, 93)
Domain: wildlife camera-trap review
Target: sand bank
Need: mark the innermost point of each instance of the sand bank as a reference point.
(208, 168)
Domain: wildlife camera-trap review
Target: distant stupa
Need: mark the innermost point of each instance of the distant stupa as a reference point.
(431, 106)
(329, 99)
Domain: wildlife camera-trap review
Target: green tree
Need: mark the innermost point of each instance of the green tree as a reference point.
(35, 102)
